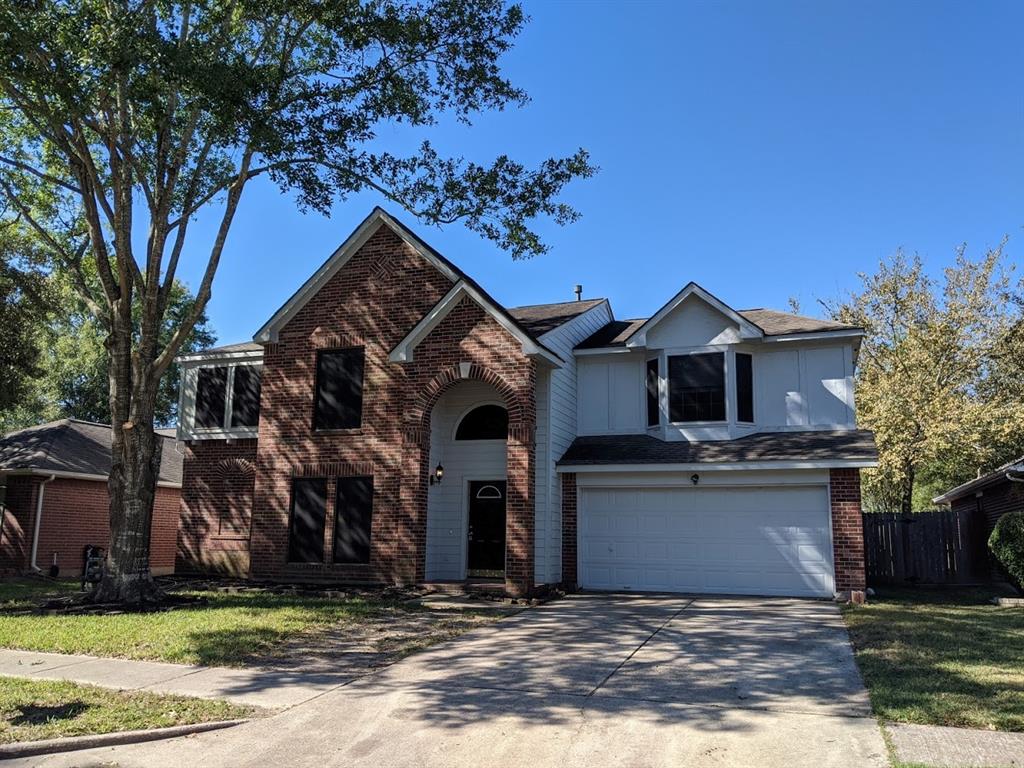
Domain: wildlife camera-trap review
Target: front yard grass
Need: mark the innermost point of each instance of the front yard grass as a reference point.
(46, 709)
(941, 657)
(227, 629)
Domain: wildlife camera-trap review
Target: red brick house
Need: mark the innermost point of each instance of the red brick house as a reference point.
(987, 498)
(53, 498)
(394, 423)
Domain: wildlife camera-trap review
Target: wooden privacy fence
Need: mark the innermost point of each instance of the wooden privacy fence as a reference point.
(940, 547)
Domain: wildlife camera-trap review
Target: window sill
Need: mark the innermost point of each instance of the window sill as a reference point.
(335, 432)
(698, 423)
(231, 537)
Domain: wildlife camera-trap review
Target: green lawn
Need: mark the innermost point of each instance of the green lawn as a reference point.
(945, 657)
(228, 629)
(45, 709)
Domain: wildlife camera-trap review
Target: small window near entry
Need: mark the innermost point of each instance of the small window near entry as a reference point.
(744, 387)
(339, 389)
(353, 518)
(245, 396)
(696, 387)
(652, 393)
(211, 391)
(306, 528)
(486, 422)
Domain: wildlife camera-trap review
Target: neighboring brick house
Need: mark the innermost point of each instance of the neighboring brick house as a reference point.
(394, 423)
(54, 502)
(987, 498)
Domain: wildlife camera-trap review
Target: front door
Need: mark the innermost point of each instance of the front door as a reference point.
(486, 551)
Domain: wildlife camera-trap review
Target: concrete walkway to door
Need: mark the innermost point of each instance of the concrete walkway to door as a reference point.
(598, 680)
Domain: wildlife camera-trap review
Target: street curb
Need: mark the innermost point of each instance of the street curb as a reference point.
(75, 743)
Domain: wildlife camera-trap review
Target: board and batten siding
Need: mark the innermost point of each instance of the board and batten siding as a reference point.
(561, 429)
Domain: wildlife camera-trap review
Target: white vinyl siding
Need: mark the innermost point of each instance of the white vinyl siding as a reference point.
(561, 426)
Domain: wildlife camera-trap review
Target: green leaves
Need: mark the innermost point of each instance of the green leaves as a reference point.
(932, 373)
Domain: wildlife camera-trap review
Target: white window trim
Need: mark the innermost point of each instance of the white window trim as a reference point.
(727, 368)
(187, 429)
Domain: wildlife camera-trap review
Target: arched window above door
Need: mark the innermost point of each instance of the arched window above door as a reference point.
(485, 422)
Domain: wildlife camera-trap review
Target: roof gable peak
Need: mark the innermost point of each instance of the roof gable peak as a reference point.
(748, 330)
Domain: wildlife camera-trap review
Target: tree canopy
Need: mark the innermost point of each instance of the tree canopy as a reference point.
(939, 374)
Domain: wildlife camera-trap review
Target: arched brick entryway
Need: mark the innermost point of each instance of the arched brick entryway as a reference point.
(520, 468)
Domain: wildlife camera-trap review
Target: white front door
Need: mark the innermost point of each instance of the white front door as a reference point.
(763, 540)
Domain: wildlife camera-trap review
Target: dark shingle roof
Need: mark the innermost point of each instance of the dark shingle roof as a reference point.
(539, 319)
(1015, 467)
(850, 445)
(772, 322)
(775, 323)
(80, 447)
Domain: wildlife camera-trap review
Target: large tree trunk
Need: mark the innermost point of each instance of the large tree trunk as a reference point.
(134, 470)
(907, 491)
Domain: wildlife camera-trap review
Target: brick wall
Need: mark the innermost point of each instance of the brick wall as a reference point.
(216, 507)
(847, 530)
(16, 532)
(373, 302)
(994, 502)
(77, 513)
(570, 561)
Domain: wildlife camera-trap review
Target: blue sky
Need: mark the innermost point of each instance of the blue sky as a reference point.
(763, 149)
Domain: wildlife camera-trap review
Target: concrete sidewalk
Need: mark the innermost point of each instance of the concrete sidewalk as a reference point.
(262, 687)
(957, 747)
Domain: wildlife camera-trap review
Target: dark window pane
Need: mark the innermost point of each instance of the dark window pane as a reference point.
(696, 387)
(211, 390)
(744, 387)
(652, 393)
(306, 531)
(339, 389)
(245, 397)
(353, 514)
(488, 422)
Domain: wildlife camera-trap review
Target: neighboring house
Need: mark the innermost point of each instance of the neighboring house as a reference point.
(988, 497)
(393, 423)
(53, 494)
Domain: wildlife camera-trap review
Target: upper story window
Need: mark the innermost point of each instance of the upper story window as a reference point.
(744, 387)
(339, 389)
(227, 397)
(696, 387)
(485, 422)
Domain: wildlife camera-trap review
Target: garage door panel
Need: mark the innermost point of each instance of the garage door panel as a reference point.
(755, 540)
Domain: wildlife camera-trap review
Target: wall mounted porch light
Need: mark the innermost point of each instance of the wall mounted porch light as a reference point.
(435, 479)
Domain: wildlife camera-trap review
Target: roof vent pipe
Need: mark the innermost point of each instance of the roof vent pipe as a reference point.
(579, 292)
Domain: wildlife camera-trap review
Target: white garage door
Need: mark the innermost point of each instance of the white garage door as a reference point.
(750, 540)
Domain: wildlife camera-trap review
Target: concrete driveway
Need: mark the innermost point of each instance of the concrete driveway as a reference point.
(596, 680)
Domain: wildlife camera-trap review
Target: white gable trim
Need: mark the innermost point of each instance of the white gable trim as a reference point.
(403, 352)
(747, 329)
(338, 259)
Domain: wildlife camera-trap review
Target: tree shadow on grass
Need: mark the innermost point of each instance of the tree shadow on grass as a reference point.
(32, 714)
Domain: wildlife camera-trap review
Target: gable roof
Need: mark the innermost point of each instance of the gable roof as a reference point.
(1015, 467)
(72, 447)
(748, 330)
(539, 319)
(772, 322)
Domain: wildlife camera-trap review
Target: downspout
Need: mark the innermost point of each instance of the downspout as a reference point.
(39, 518)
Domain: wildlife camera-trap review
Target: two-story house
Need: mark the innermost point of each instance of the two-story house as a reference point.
(393, 423)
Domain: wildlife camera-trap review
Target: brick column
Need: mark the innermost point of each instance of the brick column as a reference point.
(520, 511)
(408, 556)
(847, 531)
(570, 577)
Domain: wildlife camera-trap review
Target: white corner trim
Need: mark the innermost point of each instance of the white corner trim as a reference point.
(712, 467)
(338, 259)
(747, 329)
(403, 351)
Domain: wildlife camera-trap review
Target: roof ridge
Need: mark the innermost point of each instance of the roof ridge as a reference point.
(557, 303)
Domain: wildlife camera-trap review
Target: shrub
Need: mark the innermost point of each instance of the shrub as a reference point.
(1007, 544)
